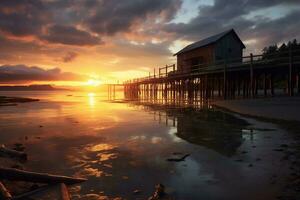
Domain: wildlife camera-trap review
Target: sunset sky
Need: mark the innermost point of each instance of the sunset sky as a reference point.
(71, 42)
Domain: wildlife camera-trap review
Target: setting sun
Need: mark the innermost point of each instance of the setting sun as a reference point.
(93, 82)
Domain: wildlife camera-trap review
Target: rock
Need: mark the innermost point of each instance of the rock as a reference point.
(284, 146)
(159, 192)
(179, 159)
(136, 192)
(239, 160)
(19, 147)
(278, 149)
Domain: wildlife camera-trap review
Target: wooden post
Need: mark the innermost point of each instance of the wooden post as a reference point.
(272, 84)
(159, 72)
(114, 95)
(290, 82)
(265, 84)
(298, 83)
(166, 70)
(251, 76)
(224, 79)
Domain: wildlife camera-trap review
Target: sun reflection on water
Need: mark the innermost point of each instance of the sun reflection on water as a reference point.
(92, 100)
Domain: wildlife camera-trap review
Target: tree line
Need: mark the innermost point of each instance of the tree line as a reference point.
(273, 51)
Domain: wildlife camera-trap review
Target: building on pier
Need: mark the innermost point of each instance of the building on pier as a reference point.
(223, 46)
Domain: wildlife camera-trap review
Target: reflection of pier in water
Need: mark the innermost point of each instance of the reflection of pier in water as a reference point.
(210, 128)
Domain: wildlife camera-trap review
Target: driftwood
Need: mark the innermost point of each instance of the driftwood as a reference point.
(12, 153)
(21, 175)
(4, 193)
(26, 195)
(64, 192)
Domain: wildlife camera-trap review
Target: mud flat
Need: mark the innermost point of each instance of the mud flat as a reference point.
(279, 108)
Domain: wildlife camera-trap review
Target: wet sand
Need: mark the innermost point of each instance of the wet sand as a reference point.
(280, 108)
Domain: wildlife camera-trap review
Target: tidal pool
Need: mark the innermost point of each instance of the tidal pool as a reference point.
(122, 147)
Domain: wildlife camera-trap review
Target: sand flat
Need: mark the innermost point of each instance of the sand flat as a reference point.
(282, 108)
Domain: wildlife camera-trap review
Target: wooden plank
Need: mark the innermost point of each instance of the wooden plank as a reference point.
(21, 175)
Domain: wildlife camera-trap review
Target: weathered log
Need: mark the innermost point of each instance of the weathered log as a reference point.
(26, 195)
(21, 175)
(12, 153)
(64, 192)
(4, 193)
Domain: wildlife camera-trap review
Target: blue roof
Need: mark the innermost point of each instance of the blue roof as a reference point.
(207, 41)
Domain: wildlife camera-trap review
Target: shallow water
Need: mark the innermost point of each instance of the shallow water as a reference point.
(122, 147)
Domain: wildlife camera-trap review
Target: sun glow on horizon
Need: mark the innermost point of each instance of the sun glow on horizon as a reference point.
(93, 82)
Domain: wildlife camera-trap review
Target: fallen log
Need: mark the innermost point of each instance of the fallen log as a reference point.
(4, 193)
(12, 153)
(21, 175)
(64, 192)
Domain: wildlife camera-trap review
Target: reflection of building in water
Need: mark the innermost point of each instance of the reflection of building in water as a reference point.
(212, 129)
(215, 130)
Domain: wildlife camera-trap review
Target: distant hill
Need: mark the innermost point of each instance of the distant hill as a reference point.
(30, 88)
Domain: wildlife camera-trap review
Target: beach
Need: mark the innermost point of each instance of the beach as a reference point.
(278, 108)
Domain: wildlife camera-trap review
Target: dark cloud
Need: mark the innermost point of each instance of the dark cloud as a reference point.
(115, 16)
(69, 57)
(224, 15)
(85, 23)
(23, 74)
(70, 36)
(21, 18)
(60, 18)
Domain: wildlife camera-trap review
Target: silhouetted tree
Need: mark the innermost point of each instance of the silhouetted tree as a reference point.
(274, 52)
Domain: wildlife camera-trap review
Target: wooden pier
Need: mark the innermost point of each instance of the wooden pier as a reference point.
(112, 90)
(250, 77)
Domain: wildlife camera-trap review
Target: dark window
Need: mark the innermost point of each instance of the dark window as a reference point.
(229, 50)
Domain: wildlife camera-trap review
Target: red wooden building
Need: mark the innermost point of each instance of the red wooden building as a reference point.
(223, 46)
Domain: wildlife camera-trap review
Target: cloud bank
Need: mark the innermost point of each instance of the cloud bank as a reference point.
(23, 74)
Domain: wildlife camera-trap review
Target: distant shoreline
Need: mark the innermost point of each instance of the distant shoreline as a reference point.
(31, 88)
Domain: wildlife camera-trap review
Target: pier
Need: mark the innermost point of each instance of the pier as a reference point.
(250, 77)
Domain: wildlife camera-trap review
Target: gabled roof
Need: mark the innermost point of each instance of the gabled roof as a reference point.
(210, 40)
